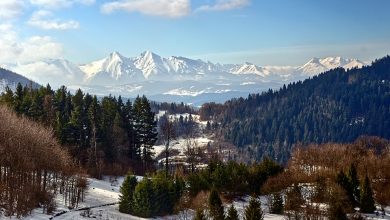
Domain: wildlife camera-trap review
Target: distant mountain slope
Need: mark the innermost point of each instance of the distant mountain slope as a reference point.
(335, 106)
(175, 77)
(150, 66)
(11, 79)
(317, 65)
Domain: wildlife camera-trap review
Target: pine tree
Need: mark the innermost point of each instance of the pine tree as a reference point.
(354, 182)
(344, 182)
(276, 204)
(150, 132)
(143, 198)
(77, 120)
(128, 125)
(215, 206)
(199, 215)
(8, 96)
(145, 127)
(253, 210)
(367, 203)
(232, 213)
(127, 191)
(94, 120)
(18, 99)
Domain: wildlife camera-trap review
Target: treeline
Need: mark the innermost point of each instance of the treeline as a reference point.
(29, 177)
(335, 106)
(156, 195)
(332, 180)
(181, 126)
(232, 178)
(172, 108)
(217, 211)
(104, 135)
(159, 194)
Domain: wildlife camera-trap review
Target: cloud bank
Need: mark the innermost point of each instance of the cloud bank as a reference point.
(163, 8)
(44, 20)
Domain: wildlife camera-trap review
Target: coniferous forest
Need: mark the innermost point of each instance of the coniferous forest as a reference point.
(319, 129)
(103, 134)
(335, 106)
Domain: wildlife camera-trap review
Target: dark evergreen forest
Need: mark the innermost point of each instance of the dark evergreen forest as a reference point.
(335, 106)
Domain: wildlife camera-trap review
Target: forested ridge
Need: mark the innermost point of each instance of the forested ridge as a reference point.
(335, 106)
(104, 134)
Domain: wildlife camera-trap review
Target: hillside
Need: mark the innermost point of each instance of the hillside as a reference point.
(336, 106)
(11, 79)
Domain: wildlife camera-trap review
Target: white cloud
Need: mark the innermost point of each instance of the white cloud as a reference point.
(224, 5)
(45, 72)
(10, 9)
(40, 48)
(163, 8)
(16, 50)
(43, 19)
(56, 4)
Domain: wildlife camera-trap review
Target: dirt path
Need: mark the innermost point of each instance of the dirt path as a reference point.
(81, 209)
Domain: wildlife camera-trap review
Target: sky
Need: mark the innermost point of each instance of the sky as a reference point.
(263, 32)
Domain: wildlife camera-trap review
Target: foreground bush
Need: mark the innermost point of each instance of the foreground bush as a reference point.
(233, 178)
(154, 196)
(34, 167)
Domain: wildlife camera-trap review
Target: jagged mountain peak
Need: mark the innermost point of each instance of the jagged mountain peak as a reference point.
(319, 65)
(147, 54)
(116, 55)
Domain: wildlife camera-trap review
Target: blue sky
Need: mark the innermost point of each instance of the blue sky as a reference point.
(264, 32)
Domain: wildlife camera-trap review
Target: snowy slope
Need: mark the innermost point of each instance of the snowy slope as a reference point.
(318, 65)
(113, 68)
(11, 79)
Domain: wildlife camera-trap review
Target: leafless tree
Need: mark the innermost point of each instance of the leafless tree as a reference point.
(34, 167)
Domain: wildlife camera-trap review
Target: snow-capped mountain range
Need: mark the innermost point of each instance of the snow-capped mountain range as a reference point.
(174, 78)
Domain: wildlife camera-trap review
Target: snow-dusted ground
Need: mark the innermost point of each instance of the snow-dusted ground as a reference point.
(99, 193)
(106, 191)
(180, 145)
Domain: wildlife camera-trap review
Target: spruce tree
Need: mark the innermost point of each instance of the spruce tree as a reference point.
(215, 206)
(232, 213)
(354, 182)
(143, 199)
(8, 96)
(128, 125)
(367, 203)
(145, 127)
(253, 210)
(344, 182)
(199, 215)
(127, 191)
(18, 100)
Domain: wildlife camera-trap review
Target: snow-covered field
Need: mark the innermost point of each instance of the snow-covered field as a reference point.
(180, 145)
(102, 197)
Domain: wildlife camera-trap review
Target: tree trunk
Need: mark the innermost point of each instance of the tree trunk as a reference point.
(166, 158)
